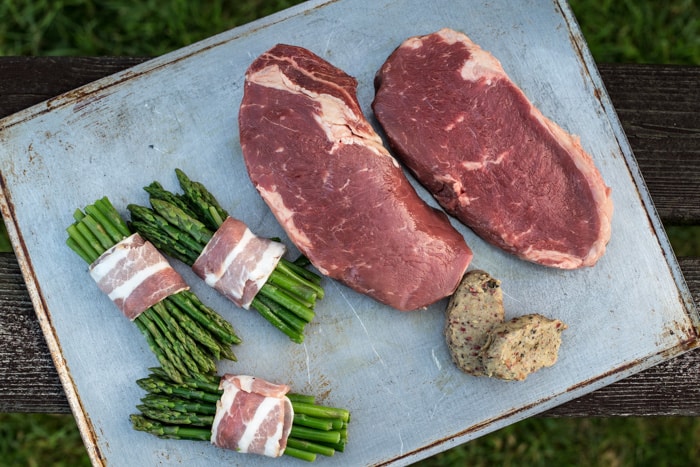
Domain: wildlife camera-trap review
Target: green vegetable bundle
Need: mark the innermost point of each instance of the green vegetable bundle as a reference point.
(186, 411)
(181, 225)
(185, 335)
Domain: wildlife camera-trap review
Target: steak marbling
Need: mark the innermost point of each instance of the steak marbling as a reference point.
(340, 196)
(489, 157)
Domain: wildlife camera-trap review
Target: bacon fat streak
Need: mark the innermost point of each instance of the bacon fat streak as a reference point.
(237, 263)
(253, 416)
(135, 276)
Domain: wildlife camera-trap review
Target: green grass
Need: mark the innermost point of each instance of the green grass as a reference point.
(642, 31)
(618, 442)
(685, 240)
(633, 31)
(40, 440)
(120, 27)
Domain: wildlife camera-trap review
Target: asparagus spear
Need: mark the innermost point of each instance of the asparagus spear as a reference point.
(161, 430)
(185, 411)
(186, 336)
(181, 225)
(178, 404)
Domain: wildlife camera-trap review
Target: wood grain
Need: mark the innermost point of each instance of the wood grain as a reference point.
(659, 107)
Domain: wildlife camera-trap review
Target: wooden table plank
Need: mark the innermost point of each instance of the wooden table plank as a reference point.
(659, 110)
(659, 107)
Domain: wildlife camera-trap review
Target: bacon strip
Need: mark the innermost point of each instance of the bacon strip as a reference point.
(135, 276)
(237, 263)
(253, 416)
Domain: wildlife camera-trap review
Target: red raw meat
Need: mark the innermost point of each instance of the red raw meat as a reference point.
(338, 193)
(488, 156)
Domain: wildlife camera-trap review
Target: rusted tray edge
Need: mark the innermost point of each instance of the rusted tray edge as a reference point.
(626, 150)
(87, 430)
(520, 414)
(105, 83)
(82, 419)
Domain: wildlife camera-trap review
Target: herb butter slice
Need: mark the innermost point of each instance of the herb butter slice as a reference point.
(521, 346)
(474, 308)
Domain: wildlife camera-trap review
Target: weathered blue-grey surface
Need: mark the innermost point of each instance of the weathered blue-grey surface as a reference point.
(392, 370)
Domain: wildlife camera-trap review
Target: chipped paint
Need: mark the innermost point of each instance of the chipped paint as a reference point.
(357, 354)
(45, 322)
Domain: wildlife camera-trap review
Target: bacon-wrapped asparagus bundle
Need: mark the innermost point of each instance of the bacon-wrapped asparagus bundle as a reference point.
(247, 269)
(186, 336)
(241, 413)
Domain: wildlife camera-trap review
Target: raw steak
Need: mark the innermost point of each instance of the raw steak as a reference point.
(340, 196)
(489, 157)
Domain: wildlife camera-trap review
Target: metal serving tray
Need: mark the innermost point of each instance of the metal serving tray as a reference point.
(391, 369)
